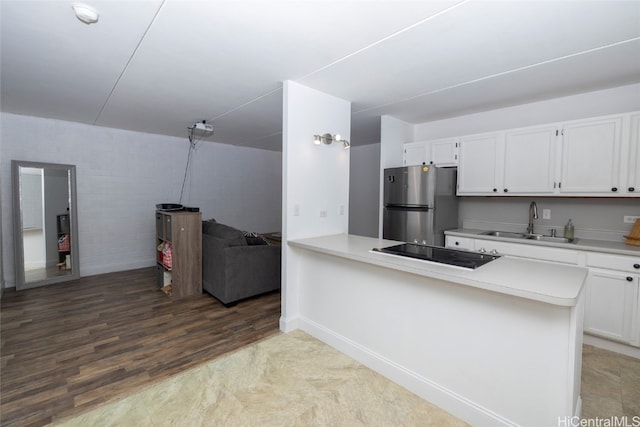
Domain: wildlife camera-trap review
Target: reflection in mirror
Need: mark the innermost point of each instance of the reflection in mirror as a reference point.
(45, 223)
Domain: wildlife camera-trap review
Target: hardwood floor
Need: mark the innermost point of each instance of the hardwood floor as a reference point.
(70, 346)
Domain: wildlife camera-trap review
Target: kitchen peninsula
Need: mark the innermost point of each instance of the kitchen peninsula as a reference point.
(498, 345)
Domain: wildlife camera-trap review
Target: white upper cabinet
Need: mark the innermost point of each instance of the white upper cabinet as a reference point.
(591, 157)
(481, 162)
(439, 152)
(632, 186)
(444, 152)
(415, 153)
(529, 160)
(598, 157)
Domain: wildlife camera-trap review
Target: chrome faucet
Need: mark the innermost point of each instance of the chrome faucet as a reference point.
(533, 214)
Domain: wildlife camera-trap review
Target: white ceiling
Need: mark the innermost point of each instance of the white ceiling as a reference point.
(158, 66)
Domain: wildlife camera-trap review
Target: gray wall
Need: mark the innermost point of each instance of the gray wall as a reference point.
(121, 175)
(364, 190)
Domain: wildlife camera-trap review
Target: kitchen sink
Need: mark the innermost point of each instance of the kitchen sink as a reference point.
(505, 234)
(550, 239)
(524, 236)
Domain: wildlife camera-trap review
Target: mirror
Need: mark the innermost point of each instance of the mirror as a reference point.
(45, 223)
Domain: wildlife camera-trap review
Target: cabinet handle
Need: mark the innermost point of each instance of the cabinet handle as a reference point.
(629, 279)
(631, 189)
(636, 266)
(506, 190)
(614, 189)
(495, 190)
(457, 243)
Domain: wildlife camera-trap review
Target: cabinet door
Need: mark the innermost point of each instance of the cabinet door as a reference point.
(632, 187)
(444, 152)
(416, 153)
(481, 160)
(611, 304)
(591, 157)
(529, 165)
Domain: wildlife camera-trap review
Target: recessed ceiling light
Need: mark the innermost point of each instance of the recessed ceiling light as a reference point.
(85, 13)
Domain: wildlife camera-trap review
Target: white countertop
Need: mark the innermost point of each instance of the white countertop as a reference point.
(538, 281)
(619, 248)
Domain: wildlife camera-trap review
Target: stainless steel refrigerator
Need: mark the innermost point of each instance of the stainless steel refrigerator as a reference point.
(419, 204)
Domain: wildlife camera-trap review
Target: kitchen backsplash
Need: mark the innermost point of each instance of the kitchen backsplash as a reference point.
(594, 218)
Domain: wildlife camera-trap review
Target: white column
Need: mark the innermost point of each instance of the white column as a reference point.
(315, 179)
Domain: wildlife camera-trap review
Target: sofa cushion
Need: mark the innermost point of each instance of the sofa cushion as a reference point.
(232, 236)
(254, 238)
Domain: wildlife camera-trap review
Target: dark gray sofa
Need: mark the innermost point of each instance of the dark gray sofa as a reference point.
(235, 267)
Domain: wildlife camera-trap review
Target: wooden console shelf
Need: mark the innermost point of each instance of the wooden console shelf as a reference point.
(183, 232)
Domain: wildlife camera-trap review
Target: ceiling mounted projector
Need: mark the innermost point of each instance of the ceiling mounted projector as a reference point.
(202, 128)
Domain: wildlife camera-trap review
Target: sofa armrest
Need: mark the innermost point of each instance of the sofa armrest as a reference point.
(232, 273)
(212, 262)
(243, 261)
(251, 270)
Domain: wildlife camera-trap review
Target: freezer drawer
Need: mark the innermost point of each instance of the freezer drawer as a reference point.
(409, 225)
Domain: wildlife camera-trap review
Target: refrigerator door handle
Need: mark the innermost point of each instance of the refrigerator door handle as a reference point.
(408, 207)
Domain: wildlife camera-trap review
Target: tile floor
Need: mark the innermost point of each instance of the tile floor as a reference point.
(294, 380)
(610, 384)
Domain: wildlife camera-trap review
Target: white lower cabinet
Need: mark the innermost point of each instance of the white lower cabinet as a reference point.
(612, 305)
(612, 308)
(613, 297)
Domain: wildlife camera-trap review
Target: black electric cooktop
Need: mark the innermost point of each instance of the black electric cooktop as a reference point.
(442, 255)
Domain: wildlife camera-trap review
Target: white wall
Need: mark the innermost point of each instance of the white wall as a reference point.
(121, 175)
(315, 179)
(364, 190)
(393, 133)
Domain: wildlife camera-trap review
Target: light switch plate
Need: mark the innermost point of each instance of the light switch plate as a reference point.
(546, 213)
(630, 219)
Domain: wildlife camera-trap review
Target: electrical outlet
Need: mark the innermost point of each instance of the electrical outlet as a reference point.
(296, 210)
(546, 213)
(629, 219)
(323, 214)
(341, 209)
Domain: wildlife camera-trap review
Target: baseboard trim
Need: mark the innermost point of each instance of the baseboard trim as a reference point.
(114, 268)
(288, 325)
(616, 347)
(428, 390)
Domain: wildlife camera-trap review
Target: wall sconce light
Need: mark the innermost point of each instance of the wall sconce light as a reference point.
(327, 138)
